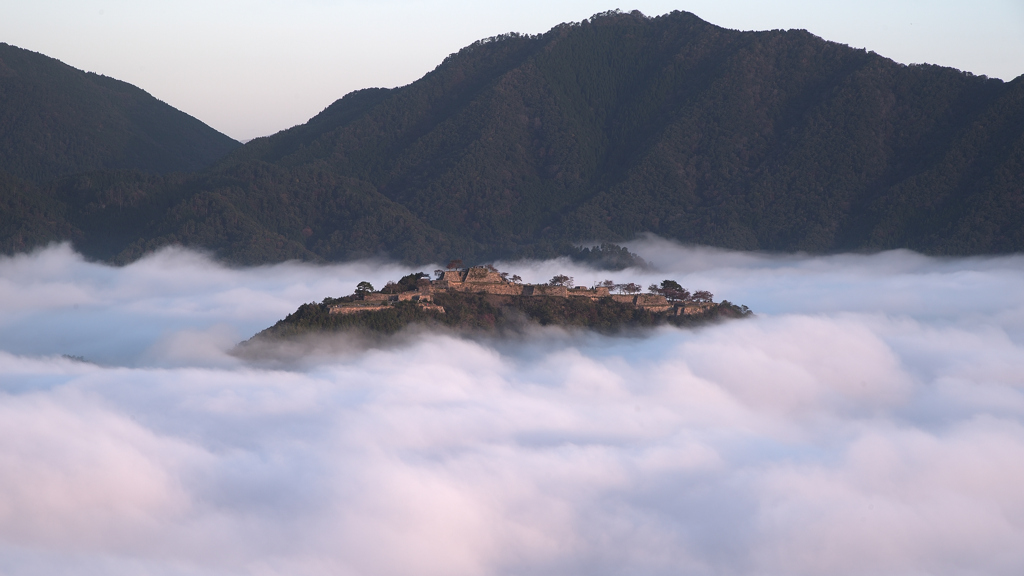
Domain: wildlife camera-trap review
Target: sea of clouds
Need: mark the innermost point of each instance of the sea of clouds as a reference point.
(868, 420)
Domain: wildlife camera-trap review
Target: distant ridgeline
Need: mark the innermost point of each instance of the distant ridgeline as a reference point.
(522, 146)
(481, 297)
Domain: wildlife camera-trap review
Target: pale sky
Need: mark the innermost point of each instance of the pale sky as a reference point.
(252, 67)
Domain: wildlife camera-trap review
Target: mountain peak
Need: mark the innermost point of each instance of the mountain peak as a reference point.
(619, 125)
(57, 120)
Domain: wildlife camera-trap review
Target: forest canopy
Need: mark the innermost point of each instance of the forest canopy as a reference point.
(587, 135)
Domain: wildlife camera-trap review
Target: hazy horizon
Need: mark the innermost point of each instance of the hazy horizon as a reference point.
(251, 69)
(869, 419)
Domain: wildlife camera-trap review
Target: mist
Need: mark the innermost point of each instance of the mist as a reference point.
(868, 419)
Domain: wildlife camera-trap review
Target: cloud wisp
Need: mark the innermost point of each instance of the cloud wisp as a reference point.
(869, 420)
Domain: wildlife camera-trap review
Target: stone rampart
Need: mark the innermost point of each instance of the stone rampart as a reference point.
(487, 280)
(482, 275)
(412, 297)
(504, 288)
(652, 302)
(477, 279)
(545, 290)
(691, 308)
(649, 300)
(452, 276)
(592, 293)
(354, 309)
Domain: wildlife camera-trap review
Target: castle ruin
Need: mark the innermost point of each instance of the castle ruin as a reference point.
(487, 280)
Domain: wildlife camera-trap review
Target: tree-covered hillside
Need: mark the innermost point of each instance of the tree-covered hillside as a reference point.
(56, 120)
(600, 130)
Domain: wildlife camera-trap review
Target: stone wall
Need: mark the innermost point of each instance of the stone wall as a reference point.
(412, 296)
(504, 288)
(647, 300)
(545, 290)
(592, 293)
(451, 276)
(652, 302)
(694, 308)
(481, 279)
(356, 308)
(482, 275)
(476, 279)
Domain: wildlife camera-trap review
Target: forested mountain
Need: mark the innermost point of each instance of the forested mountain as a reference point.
(56, 120)
(600, 130)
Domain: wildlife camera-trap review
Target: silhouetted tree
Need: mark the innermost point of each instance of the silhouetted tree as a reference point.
(410, 282)
(703, 296)
(362, 288)
(561, 280)
(670, 285)
(671, 290)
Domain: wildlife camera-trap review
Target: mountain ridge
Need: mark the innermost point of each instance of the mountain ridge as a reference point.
(524, 145)
(56, 120)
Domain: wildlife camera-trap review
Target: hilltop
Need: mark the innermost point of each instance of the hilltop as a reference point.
(481, 298)
(60, 122)
(524, 145)
(56, 120)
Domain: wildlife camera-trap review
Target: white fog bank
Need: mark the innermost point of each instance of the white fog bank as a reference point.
(868, 420)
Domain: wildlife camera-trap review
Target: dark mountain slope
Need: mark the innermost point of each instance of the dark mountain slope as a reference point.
(600, 130)
(57, 120)
(624, 124)
(249, 213)
(29, 217)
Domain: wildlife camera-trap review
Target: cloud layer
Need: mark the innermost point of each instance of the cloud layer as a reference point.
(870, 419)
